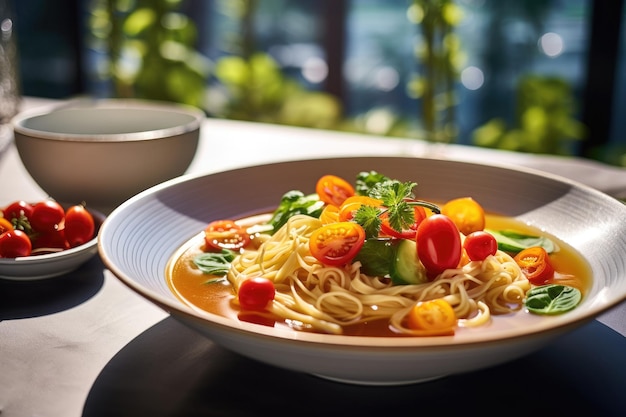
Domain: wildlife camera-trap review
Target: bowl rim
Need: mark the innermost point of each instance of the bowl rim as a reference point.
(196, 114)
(553, 325)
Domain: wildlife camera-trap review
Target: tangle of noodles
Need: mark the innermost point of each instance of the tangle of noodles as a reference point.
(325, 298)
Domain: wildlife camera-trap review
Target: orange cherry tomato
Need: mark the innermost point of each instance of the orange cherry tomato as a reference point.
(352, 204)
(5, 225)
(330, 214)
(338, 243)
(332, 189)
(433, 315)
(225, 234)
(385, 227)
(466, 213)
(535, 264)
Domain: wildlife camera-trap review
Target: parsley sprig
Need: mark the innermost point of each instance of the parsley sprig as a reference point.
(398, 204)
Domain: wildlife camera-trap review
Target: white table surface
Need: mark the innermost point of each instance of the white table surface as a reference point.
(54, 353)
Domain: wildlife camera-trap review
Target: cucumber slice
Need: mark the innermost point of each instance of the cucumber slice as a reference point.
(407, 268)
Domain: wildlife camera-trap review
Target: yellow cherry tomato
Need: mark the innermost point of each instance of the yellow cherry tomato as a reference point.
(432, 315)
(330, 214)
(466, 213)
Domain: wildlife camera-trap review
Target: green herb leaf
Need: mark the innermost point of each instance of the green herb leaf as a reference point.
(215, 263)
(552, 299)
(365, 181)
(377, 256)
(514, 242)
(368, 218)
(295, 202)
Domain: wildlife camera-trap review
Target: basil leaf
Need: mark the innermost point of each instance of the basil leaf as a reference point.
(295, 202)
(215, 263)
(552, 299)
(514, 242)
(377, 256)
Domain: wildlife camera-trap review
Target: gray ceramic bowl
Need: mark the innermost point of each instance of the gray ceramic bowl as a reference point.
(105, 151)
(136, 249)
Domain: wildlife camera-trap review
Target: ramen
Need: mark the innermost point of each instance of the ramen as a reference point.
(432, 273)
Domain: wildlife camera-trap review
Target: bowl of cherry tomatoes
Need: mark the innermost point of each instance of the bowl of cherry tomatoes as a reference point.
(45, 239)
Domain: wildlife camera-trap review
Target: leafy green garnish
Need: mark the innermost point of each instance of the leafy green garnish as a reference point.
(552, 299)
(365, 181)
(215, 263)
(513, 242)
(295, 202)
(397, 198)
(377, 256)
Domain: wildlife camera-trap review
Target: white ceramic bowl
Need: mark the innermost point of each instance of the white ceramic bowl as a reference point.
(135, 247)
(105, 151)
(50, 265)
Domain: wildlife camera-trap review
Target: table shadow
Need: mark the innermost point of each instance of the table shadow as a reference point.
(26, 299)
(170, 370)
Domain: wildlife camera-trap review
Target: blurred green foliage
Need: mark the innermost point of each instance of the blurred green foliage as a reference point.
(545, 120)
(439, 54)
(150, 50)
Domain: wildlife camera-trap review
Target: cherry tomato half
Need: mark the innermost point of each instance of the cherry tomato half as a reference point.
(438, 244)
(225, 234)
(466, 213)
(535, 264)
(79, 226)
(385, 227)
(14, 243)
(332, 189)
(478, 245)
(338, 243)
(255, 293)
(352, 204)
(46, 216)
(433, 315)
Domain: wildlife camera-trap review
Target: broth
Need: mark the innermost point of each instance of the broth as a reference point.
(214, 295)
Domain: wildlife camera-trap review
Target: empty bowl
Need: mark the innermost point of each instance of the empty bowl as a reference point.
(102, 152)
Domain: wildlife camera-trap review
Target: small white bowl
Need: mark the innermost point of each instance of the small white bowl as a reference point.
(50, 265)
(104, 151)
(136, 248)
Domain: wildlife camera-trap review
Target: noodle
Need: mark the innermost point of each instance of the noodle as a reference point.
(325, 298)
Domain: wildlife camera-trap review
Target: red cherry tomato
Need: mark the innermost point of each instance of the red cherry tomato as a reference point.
(478, 245)
(47, 215)
(385, 227)
(49, 242)
(255, 293)
(338, 243)
(17, 209)
(535, 264)
(79, 226)
(14, 243)
(332, 189)
(438, 244)
(225, 234)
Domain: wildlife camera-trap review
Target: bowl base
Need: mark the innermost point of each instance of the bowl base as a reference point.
(379, 383)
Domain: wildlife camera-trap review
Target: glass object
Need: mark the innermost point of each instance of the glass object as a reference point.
(9, 79)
